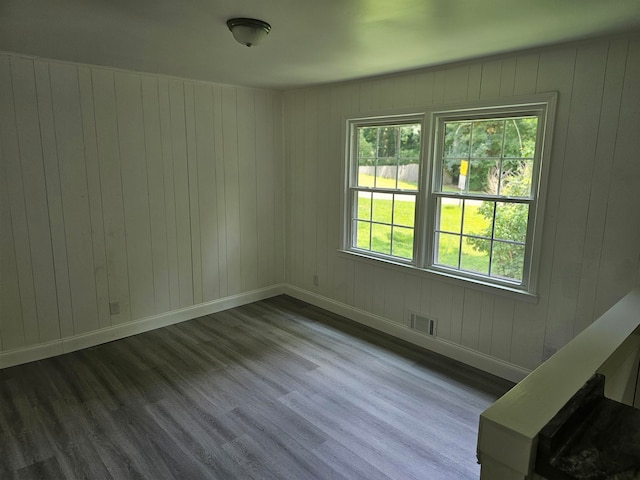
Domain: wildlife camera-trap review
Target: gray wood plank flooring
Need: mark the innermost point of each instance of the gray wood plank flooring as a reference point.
(278, 389)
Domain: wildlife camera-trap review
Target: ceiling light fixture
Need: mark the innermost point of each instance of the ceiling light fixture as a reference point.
(248, 31)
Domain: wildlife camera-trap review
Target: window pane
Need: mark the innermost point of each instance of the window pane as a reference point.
(475, 255)
(478, 216)
(386, 175)
(408, 163)
(381, 238)
(511, 221)
(456, 139)
(507, 260)
(447, 249)
(366, 173)
(451, 174)
(410, 141)
(363, 235)
(404, 210)
(450, 215)
(486, 140)
(516, 178)
(520, 137)
(389, 156)
(363, 205)
(484, 176)
(402, 242)
(381, 207)
(367, 141)
(409, 174)
(387, 142)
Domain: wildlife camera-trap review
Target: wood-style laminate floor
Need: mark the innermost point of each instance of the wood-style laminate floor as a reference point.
(274, 390)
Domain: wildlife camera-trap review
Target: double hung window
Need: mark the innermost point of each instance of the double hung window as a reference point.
(455, 192)
(385, 187)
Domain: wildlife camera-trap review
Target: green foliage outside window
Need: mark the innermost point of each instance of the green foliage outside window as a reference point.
(510, 224)
(391, 145)
(488, 142)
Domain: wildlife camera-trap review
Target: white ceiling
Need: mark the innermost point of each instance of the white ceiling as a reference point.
(311, 42)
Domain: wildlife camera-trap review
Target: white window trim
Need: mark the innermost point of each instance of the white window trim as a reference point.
(352, 175)
(425, 208)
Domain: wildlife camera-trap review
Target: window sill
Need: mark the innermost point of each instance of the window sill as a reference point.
(501, 290)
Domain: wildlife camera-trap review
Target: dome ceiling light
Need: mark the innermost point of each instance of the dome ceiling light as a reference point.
(248, 31)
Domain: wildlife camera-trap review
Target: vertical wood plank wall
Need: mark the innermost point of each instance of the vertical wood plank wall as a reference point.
(591, 242)
(121, 187)
(161, 193)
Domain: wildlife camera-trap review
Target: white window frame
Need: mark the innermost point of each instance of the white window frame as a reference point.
(432, 119)
(352, 182)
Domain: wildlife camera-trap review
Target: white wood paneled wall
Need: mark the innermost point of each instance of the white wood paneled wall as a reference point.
(591, 243)
(153, 192)
(160, 193)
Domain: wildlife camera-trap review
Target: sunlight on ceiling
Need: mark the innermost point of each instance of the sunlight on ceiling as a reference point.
(311, 41)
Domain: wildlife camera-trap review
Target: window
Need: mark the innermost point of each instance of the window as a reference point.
(385, 187)
(466, 205)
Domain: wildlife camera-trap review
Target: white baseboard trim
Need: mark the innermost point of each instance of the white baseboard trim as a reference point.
(454, 351)
(479, 360)
(116, 332)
